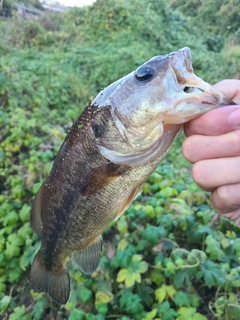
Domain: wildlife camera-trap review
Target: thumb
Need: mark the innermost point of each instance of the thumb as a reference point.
(231, 88)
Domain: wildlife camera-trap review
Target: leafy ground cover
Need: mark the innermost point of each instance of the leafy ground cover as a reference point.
(169, 257)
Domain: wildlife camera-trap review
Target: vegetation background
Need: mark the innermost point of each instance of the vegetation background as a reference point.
(170, 257)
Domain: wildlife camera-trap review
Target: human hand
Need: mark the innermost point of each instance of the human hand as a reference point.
(213, 146)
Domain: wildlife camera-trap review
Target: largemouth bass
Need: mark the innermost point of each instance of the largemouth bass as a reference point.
(111, 150)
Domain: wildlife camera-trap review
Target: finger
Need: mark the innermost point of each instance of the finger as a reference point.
(231, 88)
(234, 216)
(226, 198)
(198, 147)
(215, 122)
(212, 173)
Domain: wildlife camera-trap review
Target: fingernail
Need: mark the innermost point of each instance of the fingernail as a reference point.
(234, 118)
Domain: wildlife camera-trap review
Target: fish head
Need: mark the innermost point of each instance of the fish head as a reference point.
(150, 105)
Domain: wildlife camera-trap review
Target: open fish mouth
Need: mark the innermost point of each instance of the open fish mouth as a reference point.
(188, 89)
(191, 85)
(206, 93)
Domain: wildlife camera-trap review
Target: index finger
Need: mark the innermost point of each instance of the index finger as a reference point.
(219, 121)
(215, 122)
(231, 88)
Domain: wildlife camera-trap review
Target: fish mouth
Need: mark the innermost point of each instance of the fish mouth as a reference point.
(197, 89)
(191, 86)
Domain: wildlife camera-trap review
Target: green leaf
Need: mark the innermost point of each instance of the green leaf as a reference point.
(13, 245)
(150, 315)
(24, 213)
(205, 229)
(84, 294)
(150, 211)
(146, 293)
(182, 299)
(103, 297)
(4, 302)
(19, 313)
(233, 311)
(213, 247)
(12, 250)
(122, 244)
(11, 219)
(190, 314)
(24, 231)
(161, 293)
(77, 314)
(102, 308)
(36, 187)
(27, 257)
(123, 257)
(152, 234)
(131, 303)
(169, 192)
(212, 274)
(39, 308)
(225, 243)
(182, 277)
(128, 276)
(99, 317)
(157, 277)
(166, 312)
(132, 273)
(122, 225)
(165, 292)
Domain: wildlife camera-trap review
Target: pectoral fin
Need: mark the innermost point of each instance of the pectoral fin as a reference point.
(36, 212)
(87, 259)
(100, 177)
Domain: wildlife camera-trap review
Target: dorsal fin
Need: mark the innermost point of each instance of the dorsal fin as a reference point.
(87, 259)
(36, 212)
(100, 177)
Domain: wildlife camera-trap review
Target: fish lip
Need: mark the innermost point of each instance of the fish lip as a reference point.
(198, 90)
(188, 58)
(181, 63)
(195, 84)
(181, 60)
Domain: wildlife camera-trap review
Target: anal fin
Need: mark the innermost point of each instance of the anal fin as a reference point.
(87, 259)
(36, 212)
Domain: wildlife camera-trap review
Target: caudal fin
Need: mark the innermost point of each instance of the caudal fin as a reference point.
(57, 285)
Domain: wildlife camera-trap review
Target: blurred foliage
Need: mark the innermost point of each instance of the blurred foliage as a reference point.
(8, 7)
(218, 16)
(169, 257)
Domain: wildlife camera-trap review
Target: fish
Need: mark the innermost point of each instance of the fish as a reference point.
(111, 150)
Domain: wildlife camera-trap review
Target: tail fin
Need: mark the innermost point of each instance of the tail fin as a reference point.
(57, 285)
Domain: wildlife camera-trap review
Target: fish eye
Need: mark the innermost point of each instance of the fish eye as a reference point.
(144, 73)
